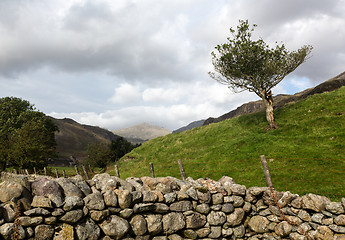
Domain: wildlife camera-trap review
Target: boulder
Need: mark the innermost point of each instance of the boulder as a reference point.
(8, 229)
(69, 188)
(115, 226)
(87, 230)
(46, 187)
(154, 223)
(315, 202)
(72, 217)
(9, 190)
(258, 224)
(73, 202)
(216, 218)
(94, 201)
(195, 220)
(43, 232)
(173, 222)
(139, 225)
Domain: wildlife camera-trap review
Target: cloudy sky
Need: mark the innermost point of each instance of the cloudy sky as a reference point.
(117, 63)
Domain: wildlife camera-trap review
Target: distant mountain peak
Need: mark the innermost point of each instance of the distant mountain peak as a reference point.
(142, 131)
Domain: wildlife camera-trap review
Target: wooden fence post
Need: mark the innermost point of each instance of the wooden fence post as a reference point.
(45, 171)
(152, 170)
(183, 174)
(76, 169)
(26, 171)
(63, 173)
(35, 171)
(117, 173)
(266, 171)
(56, 173)
(85, 172)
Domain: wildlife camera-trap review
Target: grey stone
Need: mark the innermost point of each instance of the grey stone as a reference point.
(297, 236)
(216, 218)
(73, 202)
(203, 208)
(136, 183)
(8, 213)
(173, 222)
(203, 232)
(69, 188)
(124, 198)
(8, 229)
(335, 208)
(181, 206)
(236, 217)
(110, 198)
(29, 232)
(192, 193)
(139, 225)
(63, 232)
(203, 197)
(247, 207)
(105, 182)
(26, 221)
(227, 232)
(238, 189)
(99, 215)
(174, 237)
(37, 212)
(126, 213)
(115, 226)
(56, 200)
(87, 230)
(337, 229)
(44, 232)
(46, 187)
(170, 197)
(228, 208)
(239, 231)
(304, 215)
(144, 207)
(258, 224)
(149, 196)
(50, 220)
(216, 232)
(79, 181)
(72, 216)
(41, 201)
(340, 220)
(94, 201)
(9, 190)
(283, 229)
(182, 195)
(286, 199)
(217, 198)
(315, 202)
(137, 197)
(58, 212)
(195, 220)
(317, 217)
(161, 208)
(323, 232)
(154, 223)
(238, 201)
(189, 234)
(297, 202)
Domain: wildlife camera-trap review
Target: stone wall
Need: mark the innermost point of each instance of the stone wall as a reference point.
(107, 207)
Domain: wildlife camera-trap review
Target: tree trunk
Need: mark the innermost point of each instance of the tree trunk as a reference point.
(268, 101)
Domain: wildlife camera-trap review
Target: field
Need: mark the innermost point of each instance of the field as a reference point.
(305, 154)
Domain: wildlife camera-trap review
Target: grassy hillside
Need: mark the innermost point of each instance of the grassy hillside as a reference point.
(306, 153)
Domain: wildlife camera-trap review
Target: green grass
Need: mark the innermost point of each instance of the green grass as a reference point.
(305, 154)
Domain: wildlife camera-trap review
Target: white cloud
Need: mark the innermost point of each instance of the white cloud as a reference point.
(116, 63)
(126, 94)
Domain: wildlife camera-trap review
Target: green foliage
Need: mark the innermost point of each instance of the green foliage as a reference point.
(306, 154)
(246, 64)
(98, 155)
(27, 136)
(101, 154)
(120, 147)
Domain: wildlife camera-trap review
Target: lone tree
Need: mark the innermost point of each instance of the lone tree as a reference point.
(246, 64)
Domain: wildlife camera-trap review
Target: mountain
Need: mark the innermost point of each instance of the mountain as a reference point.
(281, 99)
(190, 126)
(73, 137)
(142, 132)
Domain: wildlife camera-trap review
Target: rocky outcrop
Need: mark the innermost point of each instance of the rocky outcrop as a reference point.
(107, 207)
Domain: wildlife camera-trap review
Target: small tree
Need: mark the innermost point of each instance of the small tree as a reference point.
(246, 64)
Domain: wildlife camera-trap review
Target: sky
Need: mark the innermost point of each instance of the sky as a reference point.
(118, 63)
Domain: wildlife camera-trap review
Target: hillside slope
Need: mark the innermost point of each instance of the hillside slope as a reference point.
(310, 139)
(73, 137)
(281, 99)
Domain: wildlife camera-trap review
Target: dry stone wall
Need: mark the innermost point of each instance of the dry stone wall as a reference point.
(108, 207)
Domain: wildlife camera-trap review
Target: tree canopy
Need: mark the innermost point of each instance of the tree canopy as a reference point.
(27, 137)
(246, 64)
